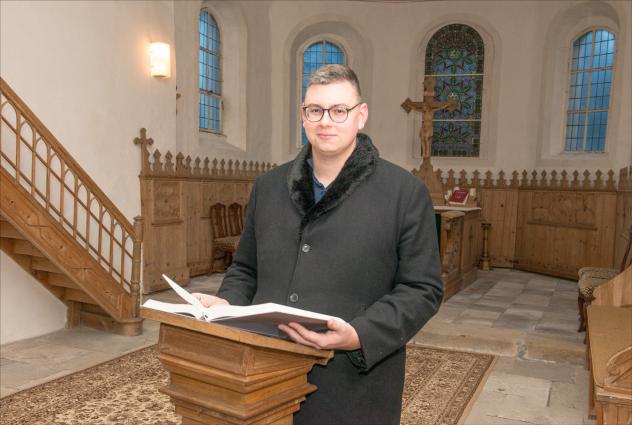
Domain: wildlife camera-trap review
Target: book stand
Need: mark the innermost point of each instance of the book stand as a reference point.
(221, 375)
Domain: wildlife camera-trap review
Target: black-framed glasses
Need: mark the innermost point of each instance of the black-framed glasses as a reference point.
(337, 113)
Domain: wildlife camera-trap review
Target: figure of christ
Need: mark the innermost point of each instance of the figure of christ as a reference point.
(428, 108)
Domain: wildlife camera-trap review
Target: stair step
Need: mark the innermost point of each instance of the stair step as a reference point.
(8, 231)
(58, 279)
(44, 264)
(93, 308)
(27, 248)
(77, 295)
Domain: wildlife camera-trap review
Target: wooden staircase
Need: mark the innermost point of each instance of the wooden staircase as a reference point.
(62, 229)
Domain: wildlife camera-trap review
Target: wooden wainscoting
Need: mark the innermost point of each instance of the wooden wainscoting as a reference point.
(549, 222)
(176, 200)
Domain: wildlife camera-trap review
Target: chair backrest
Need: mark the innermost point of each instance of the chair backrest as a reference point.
(626, 254)
(235, 219)
(218, 221)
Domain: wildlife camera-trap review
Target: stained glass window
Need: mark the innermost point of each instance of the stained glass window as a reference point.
(316, 55)
(210, 74)
(454, 57)
(589, 91)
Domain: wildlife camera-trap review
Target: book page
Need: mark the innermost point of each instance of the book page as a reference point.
(186, 309)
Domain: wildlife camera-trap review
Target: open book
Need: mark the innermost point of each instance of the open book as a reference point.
(259, 318)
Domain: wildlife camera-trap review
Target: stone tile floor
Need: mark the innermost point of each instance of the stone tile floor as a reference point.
(528, 320)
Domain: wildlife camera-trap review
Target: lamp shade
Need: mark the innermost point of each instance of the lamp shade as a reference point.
(160, 60)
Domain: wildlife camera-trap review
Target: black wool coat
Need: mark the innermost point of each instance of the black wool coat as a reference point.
(367, 253)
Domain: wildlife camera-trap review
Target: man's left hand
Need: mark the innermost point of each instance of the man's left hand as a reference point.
(340, 336)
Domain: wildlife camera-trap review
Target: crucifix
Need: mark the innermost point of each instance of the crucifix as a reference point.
(428, 108)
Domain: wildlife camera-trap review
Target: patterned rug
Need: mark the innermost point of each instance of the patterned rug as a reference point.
(440, 386)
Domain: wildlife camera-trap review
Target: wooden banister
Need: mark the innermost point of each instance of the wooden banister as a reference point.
(63, 154)
(37, 162)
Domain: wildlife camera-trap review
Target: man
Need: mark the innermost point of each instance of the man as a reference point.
(342, 232)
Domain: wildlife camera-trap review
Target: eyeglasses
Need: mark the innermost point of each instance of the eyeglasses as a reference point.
(337, 113)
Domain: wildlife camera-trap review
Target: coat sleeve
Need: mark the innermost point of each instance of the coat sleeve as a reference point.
(240, 283)
(417, 291)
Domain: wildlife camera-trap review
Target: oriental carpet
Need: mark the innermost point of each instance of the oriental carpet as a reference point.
(440, 387)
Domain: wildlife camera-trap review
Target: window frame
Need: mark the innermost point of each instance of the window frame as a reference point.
(329, 38)
(569, 75)
(219, 80)
(481, 75)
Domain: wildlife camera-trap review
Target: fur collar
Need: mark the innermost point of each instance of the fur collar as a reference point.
(358, 167)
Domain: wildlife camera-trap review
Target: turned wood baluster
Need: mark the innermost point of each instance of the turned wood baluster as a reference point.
(136, 254)
(485, 263)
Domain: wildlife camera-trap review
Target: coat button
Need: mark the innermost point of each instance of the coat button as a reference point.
(294, 297)
(306, 248)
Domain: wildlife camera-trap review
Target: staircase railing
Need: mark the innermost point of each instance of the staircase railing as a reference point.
(37, 162)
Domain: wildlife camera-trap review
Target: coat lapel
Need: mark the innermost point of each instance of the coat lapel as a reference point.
(359, 166)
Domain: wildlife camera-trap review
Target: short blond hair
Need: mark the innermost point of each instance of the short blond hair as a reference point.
(334, 73)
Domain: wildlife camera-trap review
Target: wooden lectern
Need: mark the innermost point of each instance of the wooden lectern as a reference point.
(221, 375)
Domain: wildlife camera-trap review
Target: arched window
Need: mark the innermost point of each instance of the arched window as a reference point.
(210, 74)
(320, 53)
(454, 57)
(591, 65)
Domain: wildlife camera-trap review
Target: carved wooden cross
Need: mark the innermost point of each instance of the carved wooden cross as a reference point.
(428, 108)
(144, 142)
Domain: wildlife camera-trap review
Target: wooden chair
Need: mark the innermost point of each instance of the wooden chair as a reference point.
(593, 277)
(235, 219)
(223, 242)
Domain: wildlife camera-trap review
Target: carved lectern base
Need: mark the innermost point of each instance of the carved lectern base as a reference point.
(432, 181)
(220, 375)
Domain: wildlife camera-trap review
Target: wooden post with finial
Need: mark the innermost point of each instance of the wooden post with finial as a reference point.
(143, 141)
(485, 263)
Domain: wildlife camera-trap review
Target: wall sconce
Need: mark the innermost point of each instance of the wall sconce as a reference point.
(160, 60)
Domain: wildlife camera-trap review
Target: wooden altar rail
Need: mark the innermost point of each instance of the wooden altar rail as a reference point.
(153, 165)
(551, 222)
(542, 180)
(38, 163)
(176, 199)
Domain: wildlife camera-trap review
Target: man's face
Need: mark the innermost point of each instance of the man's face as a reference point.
(327, 137)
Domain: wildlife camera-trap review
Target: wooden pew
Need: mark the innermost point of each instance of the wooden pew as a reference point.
(610, 345)
(609, 350)
(617, 292)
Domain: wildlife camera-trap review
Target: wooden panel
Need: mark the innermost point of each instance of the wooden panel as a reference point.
(472, 246)
(623, 225)
(558, 232)
(164, 233)
(500, 209)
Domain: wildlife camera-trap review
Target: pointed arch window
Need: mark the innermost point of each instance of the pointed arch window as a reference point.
(455, 58)
(591, 67)
(322, 52)
(210, 106)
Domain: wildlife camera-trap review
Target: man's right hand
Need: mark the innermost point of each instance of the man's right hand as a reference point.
(209, 300)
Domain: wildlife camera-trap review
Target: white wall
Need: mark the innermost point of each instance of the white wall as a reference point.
(83, 68)
(516, 45)
(27, 308)
(387, 43)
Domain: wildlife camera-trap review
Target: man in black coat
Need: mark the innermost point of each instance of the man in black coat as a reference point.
(342, 232)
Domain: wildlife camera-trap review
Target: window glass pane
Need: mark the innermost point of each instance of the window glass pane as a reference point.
(316, 55)
(589, 91)
(209, 72)
(455, 59)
